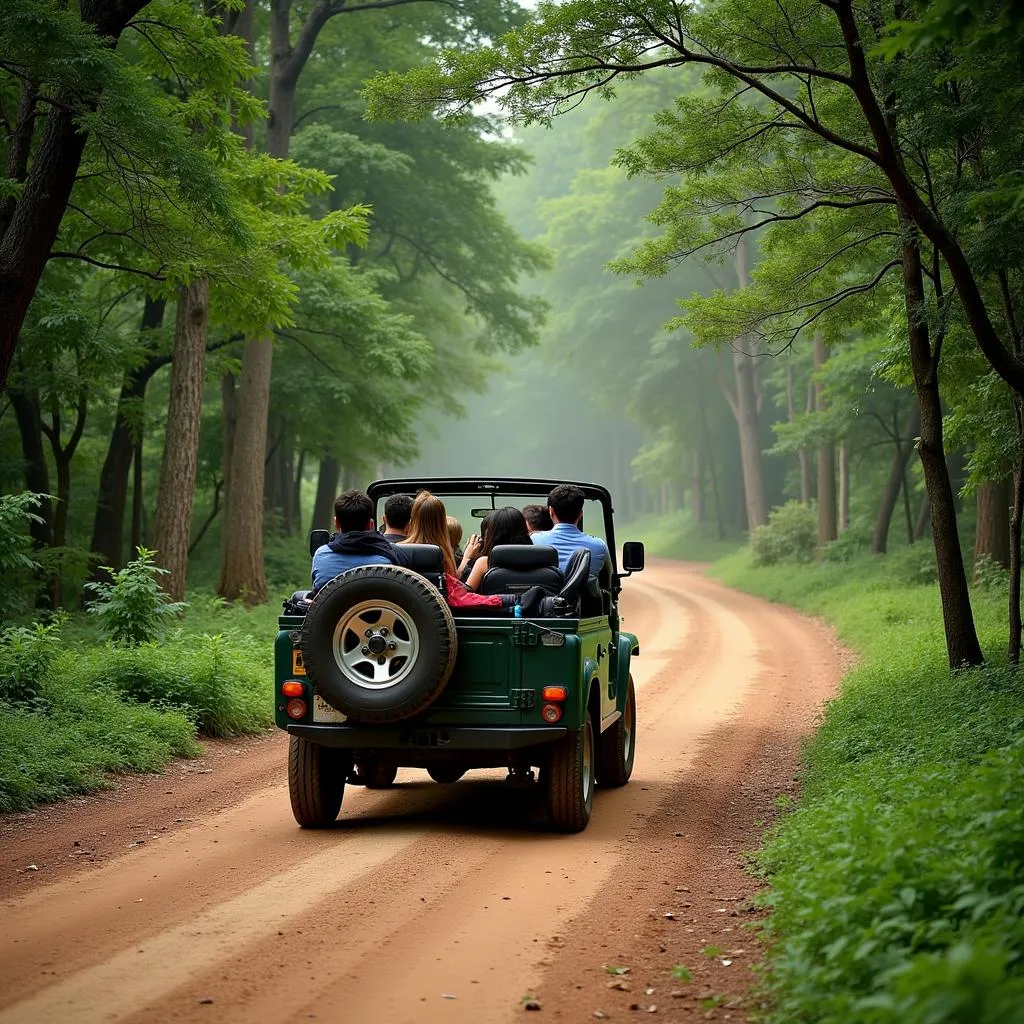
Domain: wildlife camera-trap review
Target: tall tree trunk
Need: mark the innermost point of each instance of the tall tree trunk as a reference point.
(924, 517)
(705, 441)
(1016, 519)
(891, 494)
(138, 508)
(697, 486)
(826, 457)
(37, 473)
(242, 572)
(844, 486)
(992, 537)
(326, 492)
(300, 466)
(229, 414)
(111, 503)
(31, 229)
(961, 637)
(803, 462)
(747, 419)
(176, 491)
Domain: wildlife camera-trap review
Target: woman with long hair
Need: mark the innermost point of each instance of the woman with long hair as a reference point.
(428, 524)
(503, 526)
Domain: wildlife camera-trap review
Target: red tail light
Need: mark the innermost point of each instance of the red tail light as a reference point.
(554, 693)
(296, 708)
(292, 688)
(551, 713)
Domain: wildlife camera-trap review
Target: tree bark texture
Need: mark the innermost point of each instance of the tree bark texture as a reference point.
(826, 458)
(242, 573)
(958, 619)
(112, 501)
(176, 490)
(992, 537)
(32, 227)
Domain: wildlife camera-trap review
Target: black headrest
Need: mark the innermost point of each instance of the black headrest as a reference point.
(522, 556)
(421, 557)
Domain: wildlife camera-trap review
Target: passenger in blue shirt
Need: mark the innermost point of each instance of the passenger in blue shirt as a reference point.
(565, 503)
(356, 542)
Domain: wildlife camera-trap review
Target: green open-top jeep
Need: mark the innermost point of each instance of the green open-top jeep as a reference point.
(377, 672)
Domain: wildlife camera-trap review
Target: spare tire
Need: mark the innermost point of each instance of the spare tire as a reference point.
(378, 643)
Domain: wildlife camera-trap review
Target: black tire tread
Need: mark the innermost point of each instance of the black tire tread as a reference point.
(567, 812)
(316, 783)
(444, 622)
(612, 769)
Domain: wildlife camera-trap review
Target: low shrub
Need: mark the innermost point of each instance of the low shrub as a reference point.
(790, 535)
(219, 681)
(70, 744)
(132, 607)
(26, 655)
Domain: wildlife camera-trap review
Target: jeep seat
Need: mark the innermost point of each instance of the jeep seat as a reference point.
(426, 559)
(515, 568)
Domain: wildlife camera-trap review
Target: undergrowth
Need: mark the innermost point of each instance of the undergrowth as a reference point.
(73, 708)
(897, 885)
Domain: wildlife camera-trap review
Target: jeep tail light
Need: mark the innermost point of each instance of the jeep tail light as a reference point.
(551, 713)
(293, 688)
(296, 708)
(554, 693)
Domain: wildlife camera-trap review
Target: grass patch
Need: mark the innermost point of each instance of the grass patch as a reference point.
(73, 708)
(71, 736)
(898, 882)
(677, 536)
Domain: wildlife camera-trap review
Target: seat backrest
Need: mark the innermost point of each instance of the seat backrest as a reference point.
(426, 559)
(514, 568)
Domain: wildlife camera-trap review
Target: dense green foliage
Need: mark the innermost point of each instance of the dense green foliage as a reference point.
(132, 607)
(897, 886)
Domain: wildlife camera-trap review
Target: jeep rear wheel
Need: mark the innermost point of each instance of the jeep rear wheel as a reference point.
(570, 780)
(316, 782)
(378, 643)
(446, 773)
(616, 747)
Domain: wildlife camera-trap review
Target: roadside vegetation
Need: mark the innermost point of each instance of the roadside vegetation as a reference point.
(896, 883)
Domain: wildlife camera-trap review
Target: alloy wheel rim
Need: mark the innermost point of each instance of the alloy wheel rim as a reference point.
(375, 644)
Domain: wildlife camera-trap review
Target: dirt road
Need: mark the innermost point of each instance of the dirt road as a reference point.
(204, 902)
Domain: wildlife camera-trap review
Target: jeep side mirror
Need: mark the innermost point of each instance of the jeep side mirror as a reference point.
(317, 539)
(633, 556)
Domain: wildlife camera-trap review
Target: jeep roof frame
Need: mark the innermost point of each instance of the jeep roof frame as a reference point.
(493, 485)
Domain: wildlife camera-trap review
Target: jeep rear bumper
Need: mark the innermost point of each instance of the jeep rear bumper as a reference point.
(397, 737)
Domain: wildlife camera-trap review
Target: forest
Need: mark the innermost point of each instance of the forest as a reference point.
(756, 265)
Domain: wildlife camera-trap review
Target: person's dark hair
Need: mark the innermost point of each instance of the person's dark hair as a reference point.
(567, 502)
(397, 510)
(538, 517)
(353, 510)
(504, 526)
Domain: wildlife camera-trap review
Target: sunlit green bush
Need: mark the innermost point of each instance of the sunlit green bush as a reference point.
(790, 535)
(132, 608)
